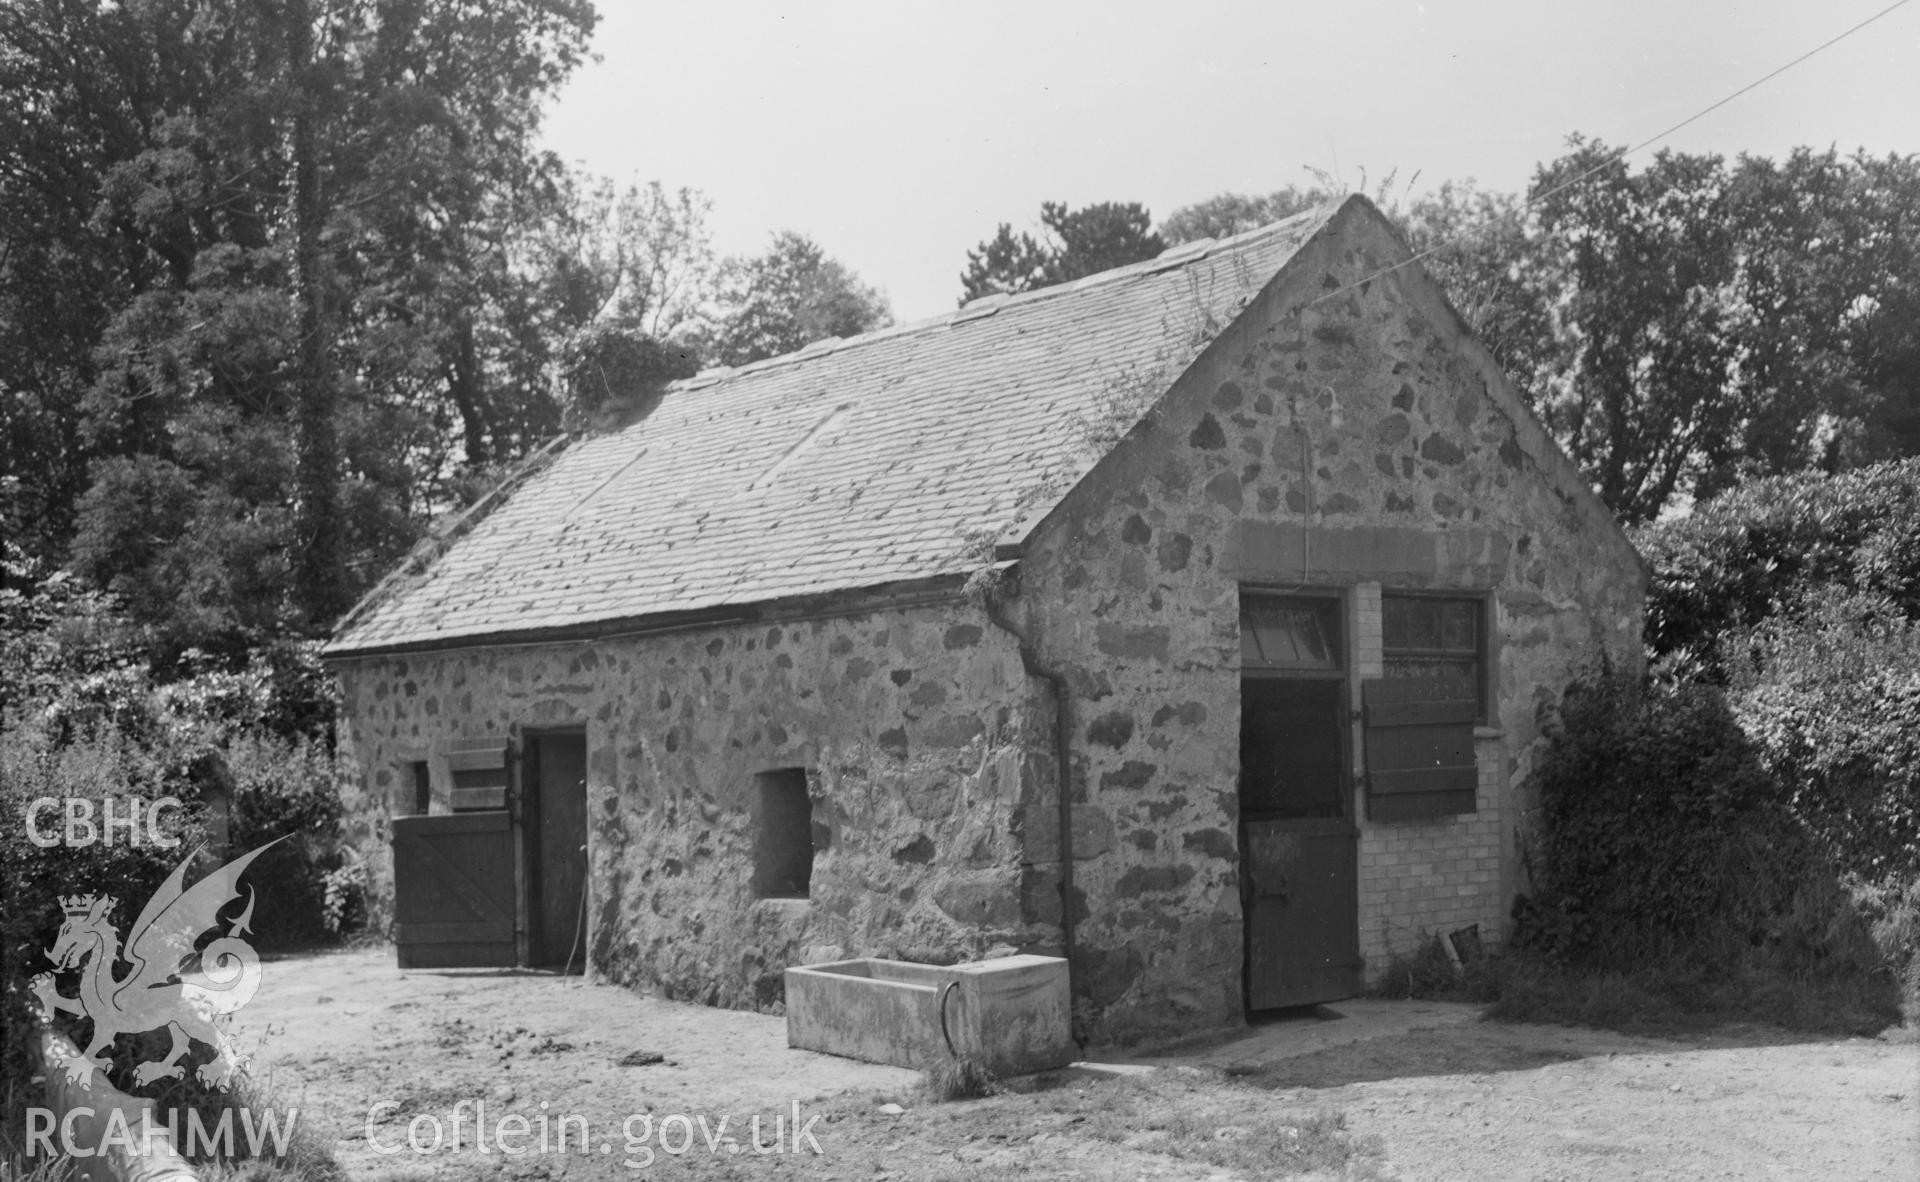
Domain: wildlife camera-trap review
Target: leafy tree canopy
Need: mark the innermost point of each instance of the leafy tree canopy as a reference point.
(1227, 214)
(1714, 322)
(788, 298)
(255, 273)
(1079, 242)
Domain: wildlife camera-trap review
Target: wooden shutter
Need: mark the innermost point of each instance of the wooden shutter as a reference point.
(479, 768)
(1419, 747)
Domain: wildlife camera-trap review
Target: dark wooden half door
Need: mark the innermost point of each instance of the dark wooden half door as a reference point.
(453, 892)
(1298, 844)
(556, 795)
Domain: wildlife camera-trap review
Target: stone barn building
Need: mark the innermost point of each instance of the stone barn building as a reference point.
(1196, 618)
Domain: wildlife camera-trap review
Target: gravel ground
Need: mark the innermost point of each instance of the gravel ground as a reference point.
(1394, 1090)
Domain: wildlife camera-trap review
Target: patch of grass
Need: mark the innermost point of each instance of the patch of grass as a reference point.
(308, 1157)
(958, 1079)
(1891, 915)
(1430, 974)
(16, 1168)
(1224, 1124)
(1666, 992)
(1681, 997)
(15, 1165)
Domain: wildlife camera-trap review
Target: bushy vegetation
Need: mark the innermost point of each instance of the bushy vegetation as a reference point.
(1767, 547)
(957, 1079)
(1658, 827)
(1739, 835)
(1830, 696)
(1676, 883)
(88, 717)
(1683, 873)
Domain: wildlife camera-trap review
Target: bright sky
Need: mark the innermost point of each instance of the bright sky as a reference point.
(899, 134)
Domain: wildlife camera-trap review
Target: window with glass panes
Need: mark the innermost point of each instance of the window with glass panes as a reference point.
(1437, 639)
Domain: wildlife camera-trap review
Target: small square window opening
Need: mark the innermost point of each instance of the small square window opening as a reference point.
(783, 842)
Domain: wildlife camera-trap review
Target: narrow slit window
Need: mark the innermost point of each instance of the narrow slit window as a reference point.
(421, 784)
(784, 838)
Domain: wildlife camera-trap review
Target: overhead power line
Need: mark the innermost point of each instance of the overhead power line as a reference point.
(1613, 158)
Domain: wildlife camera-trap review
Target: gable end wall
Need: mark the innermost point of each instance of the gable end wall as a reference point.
(1358, 445)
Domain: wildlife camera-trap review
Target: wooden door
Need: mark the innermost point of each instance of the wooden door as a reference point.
(555, 771)
(453, 890)
(1298, 843)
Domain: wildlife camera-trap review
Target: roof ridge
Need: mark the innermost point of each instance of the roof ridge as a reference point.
(770, 496)
(991, 304)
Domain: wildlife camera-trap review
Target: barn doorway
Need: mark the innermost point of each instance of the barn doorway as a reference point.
(1299, 844)
(554, 771)
(455, 897)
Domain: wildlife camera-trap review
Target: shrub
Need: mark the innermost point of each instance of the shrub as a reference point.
(104, 762)
(1658, 829)
(958, 1079)
(302, 892)
(1429, 973)
(281, 690)
(1830, 696)
(54, 631)
(1751, 553)
(1675, 995)
(285, 788)
(86, 716)
(1892, 916)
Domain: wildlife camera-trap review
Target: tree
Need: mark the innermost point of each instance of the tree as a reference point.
(280, 237)
(790, 297)
(1227, 214)
(639, 256)
(1724, 322)
(1828, 308)
(1099, 237)
(1083, 242)
(1005, 264)
(627, 290)
(1495, 268)
(1648, 259)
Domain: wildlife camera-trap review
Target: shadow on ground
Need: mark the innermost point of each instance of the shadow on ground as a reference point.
(1366, 1040)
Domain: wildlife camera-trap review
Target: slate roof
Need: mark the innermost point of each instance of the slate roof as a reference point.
(850, 464)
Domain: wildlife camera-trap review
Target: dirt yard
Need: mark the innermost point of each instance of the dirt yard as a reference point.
(1394, 1090)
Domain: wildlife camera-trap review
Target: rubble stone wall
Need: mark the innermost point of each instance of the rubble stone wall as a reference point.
(1342, 435)
(919, 729)
(1360, 444)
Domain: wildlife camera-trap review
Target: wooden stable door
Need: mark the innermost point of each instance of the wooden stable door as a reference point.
(453, 898)
(1298, 843)
(554, 778)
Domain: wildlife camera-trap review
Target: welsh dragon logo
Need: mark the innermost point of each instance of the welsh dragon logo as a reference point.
(169, 984)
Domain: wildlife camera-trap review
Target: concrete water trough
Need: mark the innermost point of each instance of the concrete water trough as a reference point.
(1010, 1014)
